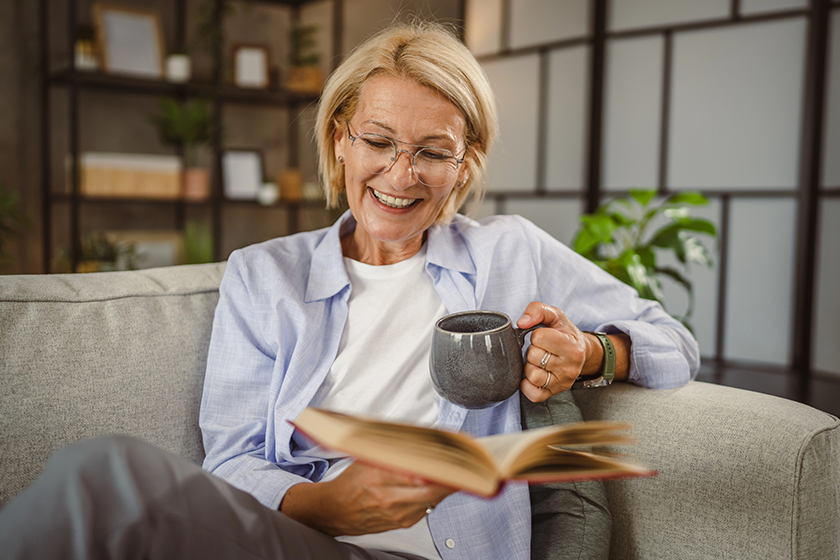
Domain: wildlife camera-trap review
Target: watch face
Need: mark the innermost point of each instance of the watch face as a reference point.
(599, 381)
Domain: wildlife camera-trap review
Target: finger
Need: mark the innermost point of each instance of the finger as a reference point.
(540, 357)
(537, 377)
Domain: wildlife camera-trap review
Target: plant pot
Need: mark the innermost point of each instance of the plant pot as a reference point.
(304, 79)
(196, 184)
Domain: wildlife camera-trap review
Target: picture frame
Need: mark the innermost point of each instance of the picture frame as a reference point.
(251, 68)
(131, 40)
(242, 173)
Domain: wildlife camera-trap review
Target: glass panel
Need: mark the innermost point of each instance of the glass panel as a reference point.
(759, 6)
(483, 26)
(736, 106)
(628, 14)
(827, 301)
(831, 163)
(558, 217)
(759, 284)
(632, 109)
(533, 22)
(704, 281)
(568, 90)
(513, 159)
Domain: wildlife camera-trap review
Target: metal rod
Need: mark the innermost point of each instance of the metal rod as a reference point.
(46, 158)
(593, 182)
(812, 131)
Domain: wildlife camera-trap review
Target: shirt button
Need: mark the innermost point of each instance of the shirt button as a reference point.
(450, 543)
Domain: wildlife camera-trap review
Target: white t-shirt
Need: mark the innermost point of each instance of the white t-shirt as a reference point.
(382, 369)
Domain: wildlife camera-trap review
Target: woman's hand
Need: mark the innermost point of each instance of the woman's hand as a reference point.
(361, 500)
(560, 353)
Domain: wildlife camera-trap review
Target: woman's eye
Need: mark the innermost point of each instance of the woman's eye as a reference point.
(377, 144)
(434, 155)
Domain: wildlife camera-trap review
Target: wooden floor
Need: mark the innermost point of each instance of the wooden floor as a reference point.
(824, 389)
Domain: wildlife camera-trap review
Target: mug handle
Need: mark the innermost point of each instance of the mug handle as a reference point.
(520, 333)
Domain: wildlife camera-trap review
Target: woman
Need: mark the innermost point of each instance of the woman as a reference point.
(342, 318)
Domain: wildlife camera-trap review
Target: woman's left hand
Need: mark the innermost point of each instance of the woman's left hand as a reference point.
(557, 354)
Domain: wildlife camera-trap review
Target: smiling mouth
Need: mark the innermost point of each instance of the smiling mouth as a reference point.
(393, 202)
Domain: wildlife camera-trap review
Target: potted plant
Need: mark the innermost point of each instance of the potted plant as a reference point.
(304, 74)
(12, 222)
(617, 238)
(101, 253)
(188, 125)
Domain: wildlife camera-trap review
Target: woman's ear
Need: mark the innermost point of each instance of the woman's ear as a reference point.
(338, 142)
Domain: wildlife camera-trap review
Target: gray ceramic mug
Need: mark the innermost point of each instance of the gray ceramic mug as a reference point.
(476, 358)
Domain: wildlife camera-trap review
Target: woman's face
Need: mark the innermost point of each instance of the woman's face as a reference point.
(394, 209)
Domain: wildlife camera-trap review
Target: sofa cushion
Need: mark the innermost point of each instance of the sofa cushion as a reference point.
(90, 354)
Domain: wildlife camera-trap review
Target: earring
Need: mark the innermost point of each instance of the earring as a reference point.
(458, 185)
(341, 160)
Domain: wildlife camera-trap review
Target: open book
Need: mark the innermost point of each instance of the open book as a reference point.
(477, 465)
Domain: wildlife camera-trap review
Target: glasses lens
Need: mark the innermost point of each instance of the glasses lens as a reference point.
(434, 167)
(373, 153)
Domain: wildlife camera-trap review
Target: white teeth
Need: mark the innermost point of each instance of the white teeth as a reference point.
(391, 201)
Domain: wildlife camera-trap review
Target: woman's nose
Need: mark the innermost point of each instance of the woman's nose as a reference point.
(401, 175)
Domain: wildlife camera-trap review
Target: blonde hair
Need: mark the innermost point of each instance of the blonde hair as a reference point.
(431, 55)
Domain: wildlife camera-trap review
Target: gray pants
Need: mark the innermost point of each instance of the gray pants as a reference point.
(117, 497)
(568, 520)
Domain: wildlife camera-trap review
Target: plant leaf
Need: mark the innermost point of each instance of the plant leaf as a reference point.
(643, 197)
(687, 197)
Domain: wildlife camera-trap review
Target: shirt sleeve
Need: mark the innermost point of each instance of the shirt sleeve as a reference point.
(664, 353)
(233, 417)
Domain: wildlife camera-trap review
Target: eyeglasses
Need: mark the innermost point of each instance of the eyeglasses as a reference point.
(377, 154)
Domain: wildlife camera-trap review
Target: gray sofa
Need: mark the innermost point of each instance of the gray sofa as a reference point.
(742, 475)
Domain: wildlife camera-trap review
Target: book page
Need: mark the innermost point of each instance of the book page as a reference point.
(446, 458)
(511, 451)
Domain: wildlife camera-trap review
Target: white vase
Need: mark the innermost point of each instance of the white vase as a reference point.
(178, 68)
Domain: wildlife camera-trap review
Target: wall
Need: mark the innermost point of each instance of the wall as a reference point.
(709, 96)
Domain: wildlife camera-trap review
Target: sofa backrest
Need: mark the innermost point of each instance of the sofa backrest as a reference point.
(90, 354)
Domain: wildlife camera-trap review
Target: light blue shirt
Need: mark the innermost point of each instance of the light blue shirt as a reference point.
(281, 313)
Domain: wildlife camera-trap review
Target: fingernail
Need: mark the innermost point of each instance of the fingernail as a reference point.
(524, 319)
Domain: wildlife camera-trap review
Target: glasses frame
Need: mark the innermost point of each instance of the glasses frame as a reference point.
(397, 152)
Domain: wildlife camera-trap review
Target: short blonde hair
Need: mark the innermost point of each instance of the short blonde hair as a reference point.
(431, 55)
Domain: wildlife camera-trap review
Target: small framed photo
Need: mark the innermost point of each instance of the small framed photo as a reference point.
(131, 40)
(242, 174)
(251, 66)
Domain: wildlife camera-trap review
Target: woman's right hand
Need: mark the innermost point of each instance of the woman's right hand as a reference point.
(363, 499)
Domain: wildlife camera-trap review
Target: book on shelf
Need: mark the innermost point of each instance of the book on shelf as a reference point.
(480, 465)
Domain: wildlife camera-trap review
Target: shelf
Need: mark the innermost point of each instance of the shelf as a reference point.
(66, 198)
(133, 85)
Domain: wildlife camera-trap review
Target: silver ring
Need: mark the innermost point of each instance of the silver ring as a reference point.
(544, 361)
(547, 379)
(429, 508)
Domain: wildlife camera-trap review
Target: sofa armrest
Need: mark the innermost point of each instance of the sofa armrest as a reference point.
(741, 474)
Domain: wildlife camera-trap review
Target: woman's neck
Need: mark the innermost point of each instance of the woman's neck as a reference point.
(362, 248)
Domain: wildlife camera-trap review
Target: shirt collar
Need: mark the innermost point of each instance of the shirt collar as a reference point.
(446, 247)
(327, 275)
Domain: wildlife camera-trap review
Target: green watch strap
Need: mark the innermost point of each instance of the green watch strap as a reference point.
(608, 371)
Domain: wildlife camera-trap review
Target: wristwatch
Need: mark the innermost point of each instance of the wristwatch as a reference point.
(607, 374)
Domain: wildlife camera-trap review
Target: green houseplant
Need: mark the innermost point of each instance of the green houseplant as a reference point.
(188, 125)
(12, 222)
(619, 237)
(304, 75)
